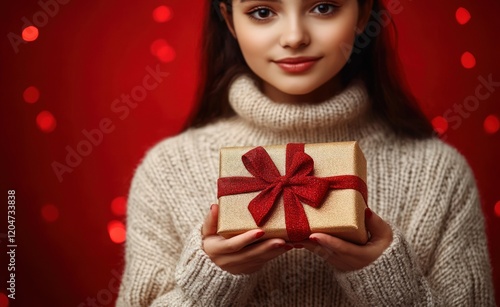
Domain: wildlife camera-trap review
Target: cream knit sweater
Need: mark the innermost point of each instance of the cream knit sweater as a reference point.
(424, 189)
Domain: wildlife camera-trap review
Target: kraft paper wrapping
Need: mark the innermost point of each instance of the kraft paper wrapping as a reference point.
(341, 214)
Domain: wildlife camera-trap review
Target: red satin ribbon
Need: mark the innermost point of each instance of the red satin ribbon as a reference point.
(298, 186)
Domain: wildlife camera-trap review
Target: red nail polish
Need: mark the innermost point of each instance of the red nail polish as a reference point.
(368, 213)
(315, 240)
(259, 234)
(279, 245)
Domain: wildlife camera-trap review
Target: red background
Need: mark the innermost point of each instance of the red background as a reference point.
(89, 53)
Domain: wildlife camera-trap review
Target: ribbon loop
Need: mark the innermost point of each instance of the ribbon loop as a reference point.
(302, 165)
(258, 163)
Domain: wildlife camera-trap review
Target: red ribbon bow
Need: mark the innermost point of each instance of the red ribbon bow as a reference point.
(298, 186)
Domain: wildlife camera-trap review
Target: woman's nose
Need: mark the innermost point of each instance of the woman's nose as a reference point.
(294, 33)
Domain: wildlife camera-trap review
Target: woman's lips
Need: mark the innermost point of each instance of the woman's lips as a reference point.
(296, 65)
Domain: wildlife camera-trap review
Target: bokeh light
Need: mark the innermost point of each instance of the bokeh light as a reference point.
(468, 60)
(119, 206)
(117, 232)
(30, 33)
(491, 124)
(4, 300)
(497, 208)
(31, 94)
(162, 50)
(46, 121)
(462, 15)
(166, 54)
(50, 213)
(162, 14)
(156, 45)
(440, 124)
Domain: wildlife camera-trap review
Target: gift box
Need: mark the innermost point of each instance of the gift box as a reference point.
(293, 190)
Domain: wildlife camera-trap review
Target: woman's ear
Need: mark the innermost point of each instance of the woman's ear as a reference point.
(228, 18)
(364, 16)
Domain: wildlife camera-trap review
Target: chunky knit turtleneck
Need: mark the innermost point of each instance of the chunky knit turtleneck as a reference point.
(253, 106)
(424, 189)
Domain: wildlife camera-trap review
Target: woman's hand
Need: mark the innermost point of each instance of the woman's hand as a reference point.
(238, 255)
(346, 256)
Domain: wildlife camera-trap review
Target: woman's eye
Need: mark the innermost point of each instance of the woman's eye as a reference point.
(324, 9)
(261, 13)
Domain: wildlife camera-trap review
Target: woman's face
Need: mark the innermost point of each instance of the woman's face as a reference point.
(297, 47)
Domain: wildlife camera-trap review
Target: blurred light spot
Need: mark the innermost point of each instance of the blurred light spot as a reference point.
(156, 45)
(440, 124)
(497, 208)
(30, 33)
(162, 14)
(46, 121)
(462, 15)
(468, 60)
(166, 54)
(50, 213)
(119, 206)
(117, 232)
(31, 94)
(491, 124)
(4, 300)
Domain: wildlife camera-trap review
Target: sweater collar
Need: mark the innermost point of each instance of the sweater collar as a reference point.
(252, 105)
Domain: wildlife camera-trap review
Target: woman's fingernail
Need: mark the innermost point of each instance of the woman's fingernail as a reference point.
(368, 213)
(279, 245)
(259, 234)
(298, 246)
(315, 240)
(288, 247)
(212, 206)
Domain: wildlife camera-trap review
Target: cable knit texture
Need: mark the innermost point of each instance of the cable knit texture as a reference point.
(423, 188)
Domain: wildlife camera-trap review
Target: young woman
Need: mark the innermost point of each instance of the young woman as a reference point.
(306, 71)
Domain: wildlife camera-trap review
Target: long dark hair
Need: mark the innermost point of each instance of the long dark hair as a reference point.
(374, 59)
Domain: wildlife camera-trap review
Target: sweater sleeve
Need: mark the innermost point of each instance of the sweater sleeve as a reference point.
(460, 272)
(162, 269)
